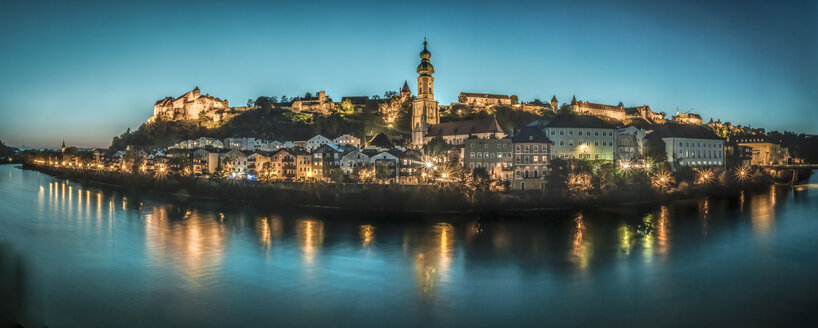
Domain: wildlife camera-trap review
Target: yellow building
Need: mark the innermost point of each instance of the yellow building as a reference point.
(765, 151)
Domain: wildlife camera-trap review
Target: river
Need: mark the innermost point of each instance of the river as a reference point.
(89, 255)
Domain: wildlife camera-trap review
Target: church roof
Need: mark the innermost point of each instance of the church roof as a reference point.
(405, 87)
(554, 98)
(485, 125)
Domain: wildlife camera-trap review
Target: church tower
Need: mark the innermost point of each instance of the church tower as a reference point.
(425, 109)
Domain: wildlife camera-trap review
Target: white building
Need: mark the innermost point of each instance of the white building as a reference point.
(630, 143)
(353, 159)
(317, 141)
(248, 144)
(690, 145)
(347, 139)
(579, 136)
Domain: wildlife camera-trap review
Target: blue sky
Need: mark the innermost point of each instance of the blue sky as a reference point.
(87, 71)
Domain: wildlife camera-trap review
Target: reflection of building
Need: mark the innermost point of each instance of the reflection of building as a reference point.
(690, 145)
(579, 136)
(425, 109)
(531, 158)
(492, 154)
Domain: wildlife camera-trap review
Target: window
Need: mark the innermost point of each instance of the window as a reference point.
(562, 133)
(596, 133)
(570, 132)
(596, 143)
(596, 156)
(517, 147)
(527, 148)
(552, 132)
(562, 142)
(536, 148)
(479, 155)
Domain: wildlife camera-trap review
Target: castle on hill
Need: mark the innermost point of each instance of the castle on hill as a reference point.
(193, 106)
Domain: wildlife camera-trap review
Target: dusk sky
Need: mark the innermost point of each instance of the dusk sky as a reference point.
(86, 72)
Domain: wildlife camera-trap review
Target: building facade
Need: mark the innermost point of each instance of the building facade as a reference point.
(690, 145)
(531, 159)
(579, 137)
(492, 154)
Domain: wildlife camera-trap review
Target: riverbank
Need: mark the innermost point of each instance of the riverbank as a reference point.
(397, 198)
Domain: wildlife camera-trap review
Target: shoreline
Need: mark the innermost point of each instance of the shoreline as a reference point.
(425, 199)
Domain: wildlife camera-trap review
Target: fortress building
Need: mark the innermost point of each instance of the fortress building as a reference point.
(193, 106)
(425, 109)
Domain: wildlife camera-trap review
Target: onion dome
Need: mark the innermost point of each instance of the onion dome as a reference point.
(425, 67)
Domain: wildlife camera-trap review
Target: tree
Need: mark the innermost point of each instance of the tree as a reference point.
(435, 147)
(336, 175)
(250, 102)
(284, 98)
(308, 95)
(514, 100)
(621, 104)
(389, 94)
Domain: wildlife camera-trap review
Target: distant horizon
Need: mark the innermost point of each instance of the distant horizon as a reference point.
(87, 72)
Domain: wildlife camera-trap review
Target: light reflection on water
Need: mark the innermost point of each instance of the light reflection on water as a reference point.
(251, 264)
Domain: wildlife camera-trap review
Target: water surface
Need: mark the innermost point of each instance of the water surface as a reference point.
(87, 255)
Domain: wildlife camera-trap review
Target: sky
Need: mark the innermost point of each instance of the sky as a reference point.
(86, 71)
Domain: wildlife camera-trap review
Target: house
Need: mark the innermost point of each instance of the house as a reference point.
(352, 160)
(690, 145)
(205, 161)
(319, 103)
(764, 150)
(325, 158)
(347, 139)
(282, 164)
(531, 159)
(235, 161)
(317, 141)
(456, 133)
(579, 136)
(248, 144)
(410, 163)
(259, 163)
(492, 154)
(629, 143)
(386, 164)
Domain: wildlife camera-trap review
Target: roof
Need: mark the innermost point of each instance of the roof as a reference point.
(405, 87)
(673, 130)
(530, 134)
(485, 125)
(554, 98)
(483, 95)
(578, 121)
(380, 140)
